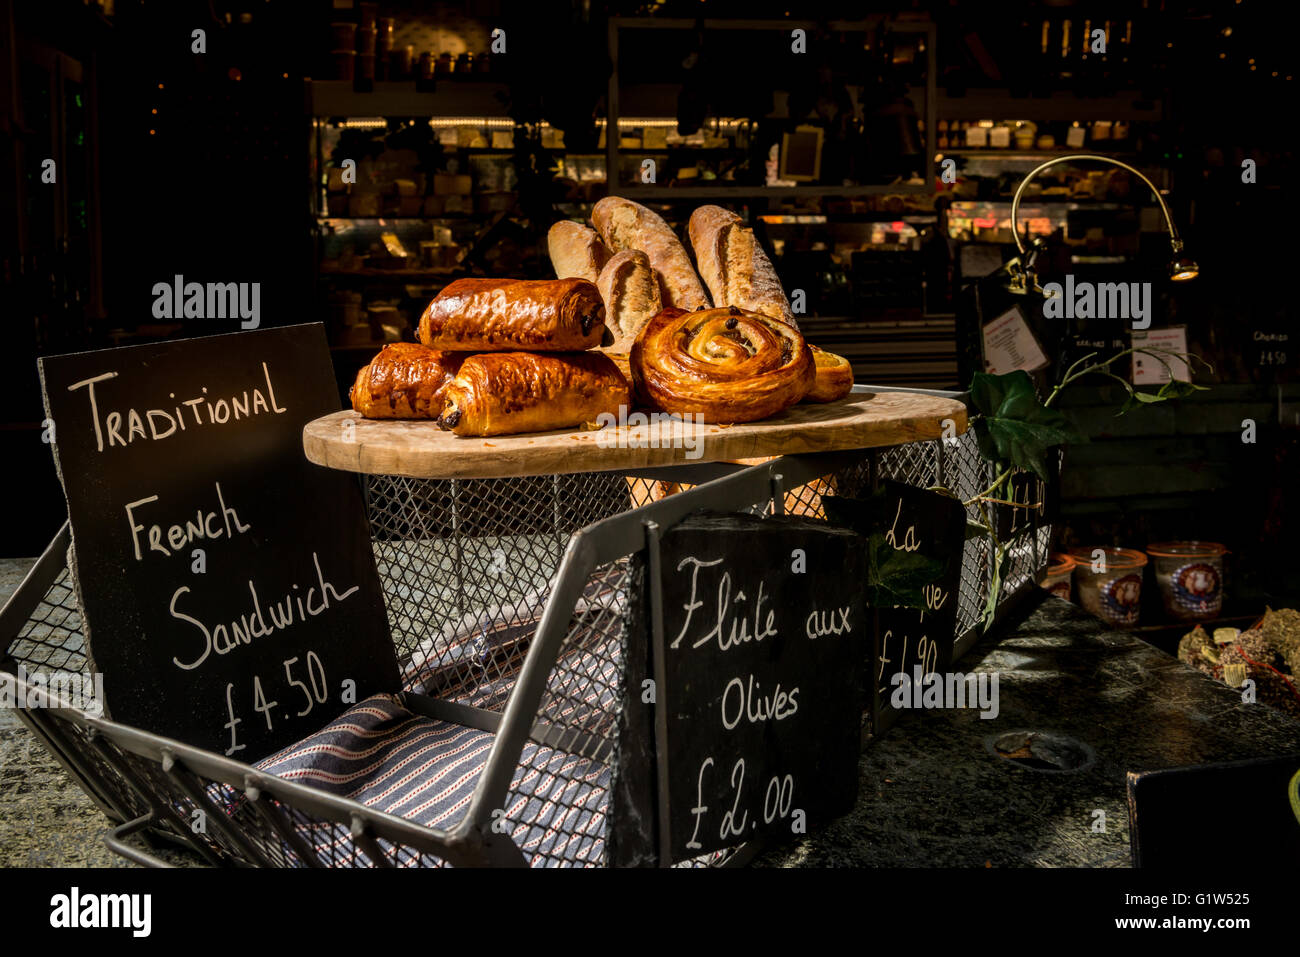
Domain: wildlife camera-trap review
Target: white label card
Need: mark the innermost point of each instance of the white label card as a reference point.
(1148, 370)
(1009, 344)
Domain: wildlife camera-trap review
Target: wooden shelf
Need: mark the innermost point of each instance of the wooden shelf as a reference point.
(450, 99)
(758, 192)
(993, 153)
(999, 104)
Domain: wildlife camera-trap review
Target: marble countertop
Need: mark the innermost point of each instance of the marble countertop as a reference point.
(933, 791)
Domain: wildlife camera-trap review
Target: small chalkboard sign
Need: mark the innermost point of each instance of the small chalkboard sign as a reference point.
(915, 544)
(227, 585)
(762, 678)
(1167, 814)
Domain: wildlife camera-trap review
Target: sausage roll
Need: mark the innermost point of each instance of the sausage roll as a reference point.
(834, 377)
(503, 393)
(734, 266)
(491, 315)
(631, 292)
(404, 381)
(624, 224)
(728, 365)
(576, 251)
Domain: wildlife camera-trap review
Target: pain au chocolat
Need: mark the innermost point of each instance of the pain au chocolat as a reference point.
(404, 381)
(502, 315)
(504, 393)
(727, 365)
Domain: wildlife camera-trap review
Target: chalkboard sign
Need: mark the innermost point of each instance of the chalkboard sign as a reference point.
(227, 585)
(762, 690)
(1168, 805)
(915, 546)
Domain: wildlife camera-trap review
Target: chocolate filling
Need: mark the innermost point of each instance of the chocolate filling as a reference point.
(448, 420)
(733, 322)
(736, 312)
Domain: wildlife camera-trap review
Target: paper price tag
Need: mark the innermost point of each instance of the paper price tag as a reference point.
(1148, 370)
(1009, 344)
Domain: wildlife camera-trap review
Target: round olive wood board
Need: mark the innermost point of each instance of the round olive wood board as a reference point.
(346, 441)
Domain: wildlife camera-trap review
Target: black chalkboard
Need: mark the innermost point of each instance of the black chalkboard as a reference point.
(227, 585)
(915, 545)
(1167, 810)
(762, 690)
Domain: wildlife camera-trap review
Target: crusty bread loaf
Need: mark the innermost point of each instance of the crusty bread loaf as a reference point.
(630, 288)
(576, 251)
(623, 224)
(734, 265)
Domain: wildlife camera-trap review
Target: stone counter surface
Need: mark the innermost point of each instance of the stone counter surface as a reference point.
(46, 820)
(933, 791)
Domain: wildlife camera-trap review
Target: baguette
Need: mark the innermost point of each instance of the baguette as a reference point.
(734, 265)
(576, 251)
(499, 315)
(623, 224)
(631, 292)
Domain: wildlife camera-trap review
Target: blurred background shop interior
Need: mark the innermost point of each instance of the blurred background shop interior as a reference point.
(877, 167)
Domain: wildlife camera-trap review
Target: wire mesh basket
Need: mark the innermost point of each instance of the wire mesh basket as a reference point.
(508, 603)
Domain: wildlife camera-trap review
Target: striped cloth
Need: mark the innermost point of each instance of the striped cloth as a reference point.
(388, 758)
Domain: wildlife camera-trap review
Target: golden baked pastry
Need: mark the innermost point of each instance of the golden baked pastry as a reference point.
(624, 362)
(503, 393)
(576, 251)
(630, 289)
(834, 377)
(404, 381)
(623, 224)
(734, 266)
(727, 365)
(490, 315)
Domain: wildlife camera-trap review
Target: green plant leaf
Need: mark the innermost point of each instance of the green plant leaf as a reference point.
(896, 577)
(1173, 389)
(1014, 426)
(1002, 560)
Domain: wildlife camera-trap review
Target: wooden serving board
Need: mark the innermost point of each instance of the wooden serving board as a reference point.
(346, 441)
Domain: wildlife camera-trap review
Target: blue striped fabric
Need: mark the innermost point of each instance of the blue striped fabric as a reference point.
(388, 758)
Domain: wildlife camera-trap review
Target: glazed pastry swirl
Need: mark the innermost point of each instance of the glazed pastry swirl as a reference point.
(728, 365)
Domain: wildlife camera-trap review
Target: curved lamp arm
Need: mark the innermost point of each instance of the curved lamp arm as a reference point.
(1181, 268)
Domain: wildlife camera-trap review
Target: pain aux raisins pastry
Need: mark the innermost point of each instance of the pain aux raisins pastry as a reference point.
(726, 365)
